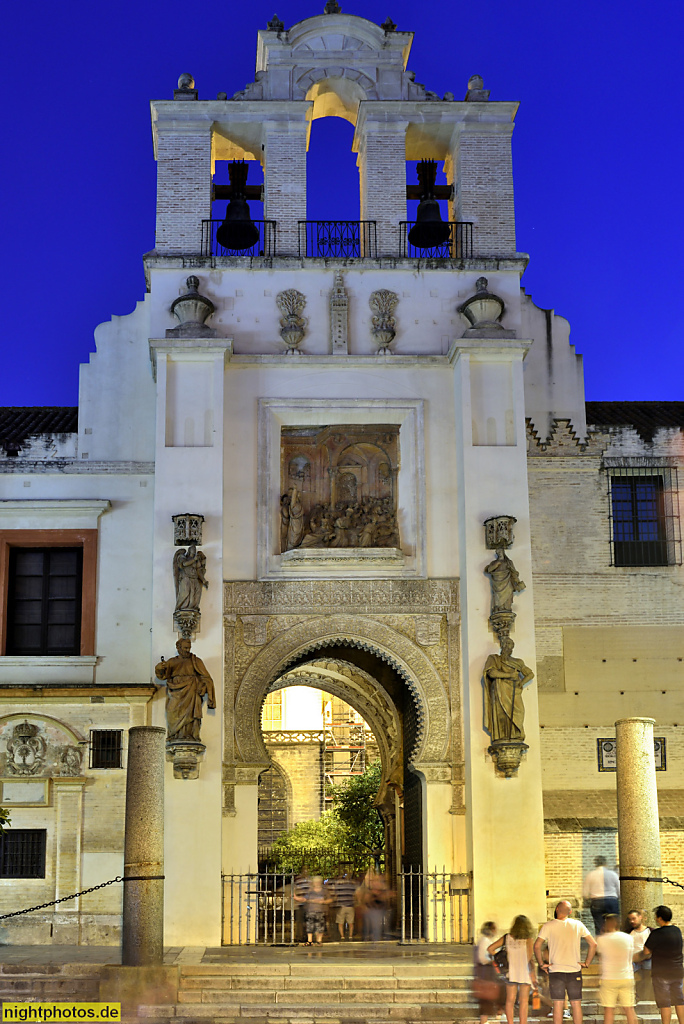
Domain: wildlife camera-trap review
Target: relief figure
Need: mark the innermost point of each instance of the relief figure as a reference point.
(504, 680)
(187, 683)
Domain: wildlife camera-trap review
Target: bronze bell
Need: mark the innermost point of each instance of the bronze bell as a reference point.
(429, 230)
(238, 230)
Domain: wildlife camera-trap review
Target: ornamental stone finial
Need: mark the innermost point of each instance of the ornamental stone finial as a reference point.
(192, 309)
(384, 326)
(186, 88)
(293, 324)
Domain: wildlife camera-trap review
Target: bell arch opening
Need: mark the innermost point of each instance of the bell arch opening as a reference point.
(333, 191)
(336, 97)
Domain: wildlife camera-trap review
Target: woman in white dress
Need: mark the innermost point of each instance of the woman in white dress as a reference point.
(519, 943)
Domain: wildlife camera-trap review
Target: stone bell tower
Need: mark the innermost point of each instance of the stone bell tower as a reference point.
(346, 410)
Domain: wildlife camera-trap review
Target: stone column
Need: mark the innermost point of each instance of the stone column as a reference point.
(285, 145)
(381, 148)
(143, 902)
(637, 806)
(183, 150)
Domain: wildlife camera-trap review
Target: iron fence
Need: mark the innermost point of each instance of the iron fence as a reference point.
(338, 239)
(458, 245)
(264, 246)
(434, 906)
(260, 908)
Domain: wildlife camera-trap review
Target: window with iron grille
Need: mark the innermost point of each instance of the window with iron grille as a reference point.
(106, 747)
(22, 853)
(44, 601)
(644, 512)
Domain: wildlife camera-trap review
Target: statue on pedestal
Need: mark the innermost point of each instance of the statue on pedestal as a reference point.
(187, 682)
(504, 679)
(189, 579)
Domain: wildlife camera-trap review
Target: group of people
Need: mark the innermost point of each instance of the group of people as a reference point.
(358, 906)
(366, 523)
(550, 964)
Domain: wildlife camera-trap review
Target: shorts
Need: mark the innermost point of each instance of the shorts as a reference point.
(616, 993)
(667, 991)
(315, 922)
(561, 982)
(345, 915)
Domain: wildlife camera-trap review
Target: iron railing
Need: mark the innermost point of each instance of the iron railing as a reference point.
(260, 908)
(338, 239)
(458, 246)
(644, 515)
(434, 907)
(265, 246)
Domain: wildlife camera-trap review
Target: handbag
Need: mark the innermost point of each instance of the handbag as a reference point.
(500, 958)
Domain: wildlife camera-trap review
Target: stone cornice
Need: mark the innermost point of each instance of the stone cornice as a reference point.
(154, 260)
(91, 466)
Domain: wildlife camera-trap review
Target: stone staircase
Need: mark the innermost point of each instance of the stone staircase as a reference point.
(279, 990)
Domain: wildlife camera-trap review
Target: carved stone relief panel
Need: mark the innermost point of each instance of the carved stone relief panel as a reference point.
(339, 486)
(34, 747)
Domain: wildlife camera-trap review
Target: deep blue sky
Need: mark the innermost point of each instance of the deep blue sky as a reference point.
(598, 157)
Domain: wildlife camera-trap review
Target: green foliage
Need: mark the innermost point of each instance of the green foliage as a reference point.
(353, 806)
(4, 819)
(350, 832)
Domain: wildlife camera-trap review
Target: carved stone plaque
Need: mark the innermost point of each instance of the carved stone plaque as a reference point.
(254, 629)
(339, 486)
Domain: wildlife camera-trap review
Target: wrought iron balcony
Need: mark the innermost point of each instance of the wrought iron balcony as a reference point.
(338, 239)
(265, 246)
(458, 246)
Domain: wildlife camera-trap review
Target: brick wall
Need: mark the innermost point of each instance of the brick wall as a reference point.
(382, 171)
(183, 189)
(285, 182)
(485, 187)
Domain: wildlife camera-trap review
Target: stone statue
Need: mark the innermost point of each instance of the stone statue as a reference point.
(188, 575)
(505, 582)
(295, 526)
(187, 682)
(504, 680)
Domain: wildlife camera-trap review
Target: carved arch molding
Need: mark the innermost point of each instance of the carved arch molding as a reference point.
(410, 624)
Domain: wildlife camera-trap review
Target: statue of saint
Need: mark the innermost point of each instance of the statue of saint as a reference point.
(295, 528)
(188, 576)
(505, 582)
(504, 680)
(187, 682)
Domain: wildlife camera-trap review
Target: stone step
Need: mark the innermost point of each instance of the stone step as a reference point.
(309, 1012)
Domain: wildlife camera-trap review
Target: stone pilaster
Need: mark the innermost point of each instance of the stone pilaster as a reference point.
(285, 145)
(143, 901)
(183, 185)
(481, 166)
(382, 170)
(69, 819)
(637, 806)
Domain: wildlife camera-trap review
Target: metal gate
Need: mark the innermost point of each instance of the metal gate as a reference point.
(259, 908)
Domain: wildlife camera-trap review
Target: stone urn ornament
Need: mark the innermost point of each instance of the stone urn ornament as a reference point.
(483, 311)
(293, 325)
(191, 310)
(384, 326)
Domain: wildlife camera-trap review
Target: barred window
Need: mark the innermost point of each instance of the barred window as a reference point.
(22, 853)
(644, 515)
(106, 748)
(44, 606)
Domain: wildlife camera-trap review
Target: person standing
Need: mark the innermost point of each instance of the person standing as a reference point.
(519, 946)
(563, 936)
(617, 974)
(664, 947)
(345, 889)
(602, 890)
(638, 931)
(487, 987)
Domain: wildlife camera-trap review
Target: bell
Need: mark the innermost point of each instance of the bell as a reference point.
(238, 230)
(429, 231)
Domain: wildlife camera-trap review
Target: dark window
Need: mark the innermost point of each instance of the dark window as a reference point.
(44, 607)
(22, 853)
(105, 748)
(639, 536)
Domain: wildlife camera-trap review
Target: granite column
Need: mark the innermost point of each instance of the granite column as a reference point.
(638, 825)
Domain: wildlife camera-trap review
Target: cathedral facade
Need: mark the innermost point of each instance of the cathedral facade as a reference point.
(354, 457)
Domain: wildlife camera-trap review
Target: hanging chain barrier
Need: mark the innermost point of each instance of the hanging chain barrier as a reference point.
(640, 878)
(74, 895)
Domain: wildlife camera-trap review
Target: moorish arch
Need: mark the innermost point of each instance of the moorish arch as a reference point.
(366, 695)
(293, 644)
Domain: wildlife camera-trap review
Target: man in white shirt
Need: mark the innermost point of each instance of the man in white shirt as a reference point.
(602, 889)
(617, 974)
(563, 936)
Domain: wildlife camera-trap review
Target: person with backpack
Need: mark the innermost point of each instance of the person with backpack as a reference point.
(518, 947)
